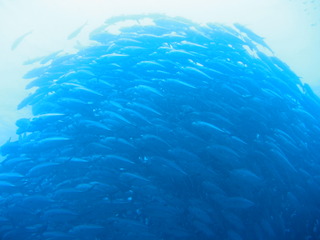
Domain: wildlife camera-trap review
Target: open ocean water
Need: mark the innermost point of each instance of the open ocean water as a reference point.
(159, 127)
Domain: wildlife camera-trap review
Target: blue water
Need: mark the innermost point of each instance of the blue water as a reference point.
(164, 129)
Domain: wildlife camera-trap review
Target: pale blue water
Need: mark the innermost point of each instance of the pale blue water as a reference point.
(166, 130)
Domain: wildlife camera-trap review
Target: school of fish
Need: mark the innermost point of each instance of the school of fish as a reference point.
(164, 129)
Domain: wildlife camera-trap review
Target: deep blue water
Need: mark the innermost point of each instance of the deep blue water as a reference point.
(166, 131)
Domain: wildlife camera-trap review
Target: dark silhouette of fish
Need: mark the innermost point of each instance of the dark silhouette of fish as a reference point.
(18, 41)
(254, 37)
(169, 131)
(77, 31)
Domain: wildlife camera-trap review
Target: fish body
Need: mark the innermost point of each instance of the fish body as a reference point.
(163, 129)
(76, 32)
(18, 41)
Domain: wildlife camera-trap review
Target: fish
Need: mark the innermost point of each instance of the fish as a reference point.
(163, 128)
(86, 230)
(19, 40)
(57, 235)
(41, 169)
(246, 176)
(59, 215)
(6, 185)
(49, 57)
(76, 32)
(150, 65)
(238, 202)
(115, 158)
(148, 89)
(209, 126)
(94, 126)
(252, 35)
(144, 107)
(11, 176)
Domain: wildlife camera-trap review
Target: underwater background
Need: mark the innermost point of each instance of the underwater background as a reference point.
(148, 120)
